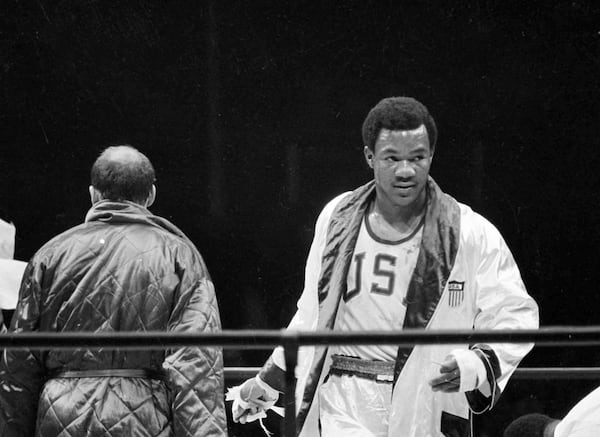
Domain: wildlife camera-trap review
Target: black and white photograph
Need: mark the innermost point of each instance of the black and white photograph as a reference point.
(299, 218)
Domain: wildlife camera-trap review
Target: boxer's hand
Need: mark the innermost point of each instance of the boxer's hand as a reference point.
(449, 380)
(252, 402)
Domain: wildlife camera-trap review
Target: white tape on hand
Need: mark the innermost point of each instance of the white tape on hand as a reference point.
(472, 370)
(233, 394)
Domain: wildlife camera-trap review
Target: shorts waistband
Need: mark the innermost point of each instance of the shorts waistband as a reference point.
(107, 373)
(379, 371)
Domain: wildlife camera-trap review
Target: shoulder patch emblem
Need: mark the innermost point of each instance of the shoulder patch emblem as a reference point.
(456, 293)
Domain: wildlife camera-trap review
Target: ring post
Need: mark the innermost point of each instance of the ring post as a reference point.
(290, 349)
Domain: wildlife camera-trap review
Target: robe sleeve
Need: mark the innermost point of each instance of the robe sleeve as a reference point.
(502, 303)
(306, 316)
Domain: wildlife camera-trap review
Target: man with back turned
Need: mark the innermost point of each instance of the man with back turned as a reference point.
(122, 270)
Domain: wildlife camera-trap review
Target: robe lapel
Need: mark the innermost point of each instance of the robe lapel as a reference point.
(439, 245)
(342, 234)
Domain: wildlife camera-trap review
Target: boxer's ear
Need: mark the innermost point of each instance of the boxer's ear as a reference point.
(368, 156)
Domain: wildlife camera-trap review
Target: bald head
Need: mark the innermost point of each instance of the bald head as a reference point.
(123, 154)
(122, 173)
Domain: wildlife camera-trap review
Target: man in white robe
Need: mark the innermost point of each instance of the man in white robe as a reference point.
(399, 253)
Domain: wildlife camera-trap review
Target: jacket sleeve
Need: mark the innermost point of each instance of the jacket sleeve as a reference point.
(22, 371)
(195, 374)
(503, 303)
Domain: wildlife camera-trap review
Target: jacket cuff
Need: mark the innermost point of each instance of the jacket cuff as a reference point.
(478, 401)
(272, 375)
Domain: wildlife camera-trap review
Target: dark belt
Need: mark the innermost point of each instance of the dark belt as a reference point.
(379, 371)
(107, 373)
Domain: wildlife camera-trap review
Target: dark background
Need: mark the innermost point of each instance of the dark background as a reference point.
(251, 114)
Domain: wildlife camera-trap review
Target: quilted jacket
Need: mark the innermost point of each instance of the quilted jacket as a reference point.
(124, 269)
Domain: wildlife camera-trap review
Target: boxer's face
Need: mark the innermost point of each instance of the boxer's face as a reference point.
(400, 161)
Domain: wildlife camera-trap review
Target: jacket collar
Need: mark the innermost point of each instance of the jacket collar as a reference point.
(109, 211)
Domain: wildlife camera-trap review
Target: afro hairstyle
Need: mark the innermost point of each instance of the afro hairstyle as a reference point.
(397, 113)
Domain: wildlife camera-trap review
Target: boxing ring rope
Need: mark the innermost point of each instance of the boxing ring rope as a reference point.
(292, 340)
(522, 373)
